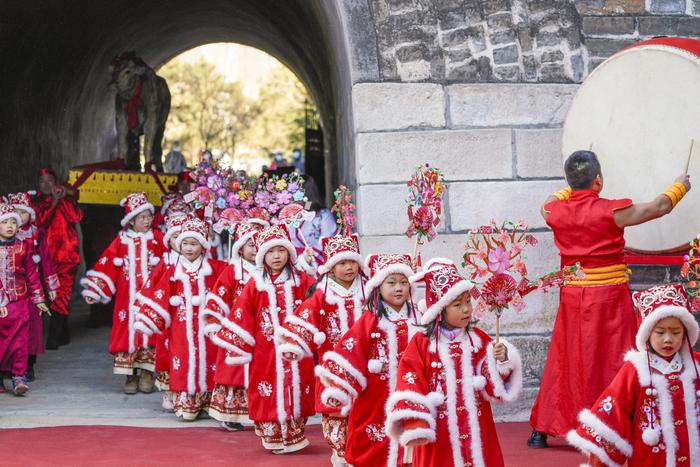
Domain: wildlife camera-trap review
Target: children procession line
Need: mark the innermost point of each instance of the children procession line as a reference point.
(272, 337)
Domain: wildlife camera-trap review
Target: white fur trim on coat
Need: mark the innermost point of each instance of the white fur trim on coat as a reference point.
(508, 390)
(244, 335)
(660, 313)
(143, 328)
(148, 322)
(296, 321)
(238, 360)
(343, 363)
(588, 418)
(223, 306)
(162, 312)
(339, 395)
(428, 266)
(288, 347)
(92, 287)
(104, 277)
(219, 342)
(331, 379)
(587, 448)
(417, 433)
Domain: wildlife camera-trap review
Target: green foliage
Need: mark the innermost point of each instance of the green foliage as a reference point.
(209, 113)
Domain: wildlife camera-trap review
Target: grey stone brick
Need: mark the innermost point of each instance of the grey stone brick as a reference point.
(603, 48)
(552, 56)
(455, 38)
(603, 25)
(667, 6)
(505, 55)
(505, 36)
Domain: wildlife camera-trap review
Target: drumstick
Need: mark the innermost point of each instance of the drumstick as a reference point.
(690, 153)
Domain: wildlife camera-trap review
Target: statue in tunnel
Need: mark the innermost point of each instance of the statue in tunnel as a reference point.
(141, 105)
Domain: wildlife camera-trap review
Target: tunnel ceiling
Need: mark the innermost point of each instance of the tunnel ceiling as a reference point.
(57, 106)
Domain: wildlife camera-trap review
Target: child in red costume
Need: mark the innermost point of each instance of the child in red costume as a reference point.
(229, 401)
(173, 226)
(280, 392)
(649, 416)
(595, 312)
(20, 287)
(318, 324)
(447, 378)
(47, 272)
(57, 213)
(121, 272)
(175, 304)
(359, 375)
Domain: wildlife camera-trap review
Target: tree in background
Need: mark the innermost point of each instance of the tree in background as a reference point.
(206, 111)
(209, 113)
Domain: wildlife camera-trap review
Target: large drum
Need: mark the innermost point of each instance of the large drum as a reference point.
(639, 110)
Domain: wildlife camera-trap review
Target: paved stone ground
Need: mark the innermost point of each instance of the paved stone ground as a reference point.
(75, 386)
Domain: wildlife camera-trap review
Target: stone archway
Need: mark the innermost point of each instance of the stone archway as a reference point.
(59, 109)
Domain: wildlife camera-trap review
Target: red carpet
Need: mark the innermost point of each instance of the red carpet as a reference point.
(114, 445)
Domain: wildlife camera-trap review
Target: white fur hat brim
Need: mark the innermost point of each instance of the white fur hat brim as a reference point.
(169, 233)
(455, 291)
(437, 261)
(29, 209)
(379, 277)
(136, 212)
(238, 244)
(669, 311)
(265, 247)
(328, 266)
(12, 215)
(255, 220)
(196, 235)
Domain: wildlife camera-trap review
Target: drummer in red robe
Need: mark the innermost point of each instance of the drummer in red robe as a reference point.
(595, 323)
(57, 213)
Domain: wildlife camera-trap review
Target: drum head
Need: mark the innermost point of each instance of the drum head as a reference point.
(639, 111)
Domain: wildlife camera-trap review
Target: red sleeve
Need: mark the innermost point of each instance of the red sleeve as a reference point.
(45, 210)
(31, 273)
(303, 328)
(617, 204)
(605, 431)
(99, 282)
(70, 210)
(343, 372)
(221, 297)
(504, 380)
(237, 331)
(154, 304)
(48, 269)
(411, 412)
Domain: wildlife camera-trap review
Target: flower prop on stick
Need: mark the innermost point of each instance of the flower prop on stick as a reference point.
(690, 271)
(425, 190)
(275, 192)
(494, 254)
(344, 210)
(294, 215)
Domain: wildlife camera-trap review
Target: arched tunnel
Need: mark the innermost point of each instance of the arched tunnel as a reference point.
(58, 108)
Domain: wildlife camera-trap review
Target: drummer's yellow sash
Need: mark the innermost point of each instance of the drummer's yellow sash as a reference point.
(608, 275)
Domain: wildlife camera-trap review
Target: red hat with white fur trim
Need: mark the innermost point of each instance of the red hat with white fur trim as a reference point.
(135, 204)
(275, 235)
(339, 248)
(443, 285)
(9, 212)
(383, 265)
(173, 226)
(195, 228)
(21, 201)
(244, 232)
(663, 301)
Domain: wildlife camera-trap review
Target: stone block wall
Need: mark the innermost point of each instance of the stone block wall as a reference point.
(480, 89)
(499, 147)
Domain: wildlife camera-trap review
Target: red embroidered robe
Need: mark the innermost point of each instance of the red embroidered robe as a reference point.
(174, 305)
(319, 322)
(227, 289)
(120, 273)
(361, 373)
(278, 390)
(618, 428)
(450, 391)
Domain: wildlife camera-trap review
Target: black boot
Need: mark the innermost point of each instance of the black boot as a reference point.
(537, 440)
(30, 368)
(64, 338)
(56, 324)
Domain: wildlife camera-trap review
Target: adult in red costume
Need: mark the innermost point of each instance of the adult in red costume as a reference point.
(595, 323)
(57, 213)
